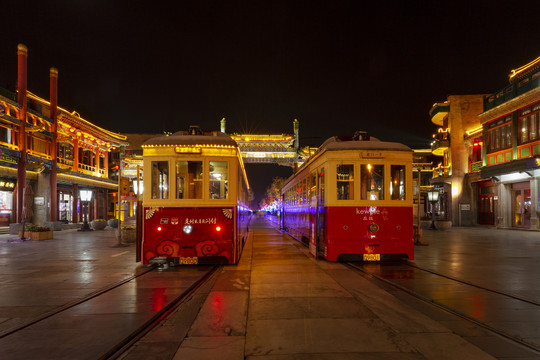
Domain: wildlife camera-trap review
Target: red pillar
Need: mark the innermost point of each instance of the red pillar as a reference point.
(22, 53)
(53, 196)
(76, 155)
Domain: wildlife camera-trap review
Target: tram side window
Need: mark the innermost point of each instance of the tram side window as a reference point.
(219, 180)
(345, 182)
(397, 182)
(189, 179)
(372, 182)
(160, 179)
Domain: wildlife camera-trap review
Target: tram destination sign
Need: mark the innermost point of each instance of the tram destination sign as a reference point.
(372, 154)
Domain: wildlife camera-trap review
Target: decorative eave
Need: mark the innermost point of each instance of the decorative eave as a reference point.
(524, 70)
(510, 105)
(74, 119)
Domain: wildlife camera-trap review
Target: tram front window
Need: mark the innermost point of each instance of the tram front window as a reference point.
(219, 180)
(397, 182)
(189, 179)
(160, 179)
(372, 182)
(345, 182)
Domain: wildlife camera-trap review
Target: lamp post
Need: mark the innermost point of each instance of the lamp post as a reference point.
(86, 197)
(433, 197)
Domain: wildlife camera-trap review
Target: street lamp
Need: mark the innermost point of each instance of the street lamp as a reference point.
(86, 197)
(433, 197)
(138, 187)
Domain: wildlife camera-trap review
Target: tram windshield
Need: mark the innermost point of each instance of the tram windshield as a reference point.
(345, 182)
(397, 182)
(189, 179)
(219, 180)
(160, 179)
(372, 182)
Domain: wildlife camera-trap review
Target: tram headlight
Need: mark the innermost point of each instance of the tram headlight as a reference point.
(373, 227)
(188, 229)
(218, 228)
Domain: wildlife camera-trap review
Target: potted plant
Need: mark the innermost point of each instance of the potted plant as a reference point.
(98, 224)
(37, 233)
(113, 223)
(129, 233)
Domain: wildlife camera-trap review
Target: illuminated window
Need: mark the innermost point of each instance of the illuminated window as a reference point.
(372, 182)
(40, 145)
(160, 179)
(219, 180)
(345, 182)
(397, 182)
(5, 135)
(500, 134)
(189, 179)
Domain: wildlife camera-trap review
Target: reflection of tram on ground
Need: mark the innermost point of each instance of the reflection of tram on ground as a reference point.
(195, 208)
(352, 200)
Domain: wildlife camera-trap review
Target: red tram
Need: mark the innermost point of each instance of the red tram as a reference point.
(352, 200)
(195, 204)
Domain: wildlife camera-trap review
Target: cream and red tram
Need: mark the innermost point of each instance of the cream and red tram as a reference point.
(195, 199)
(352, 200)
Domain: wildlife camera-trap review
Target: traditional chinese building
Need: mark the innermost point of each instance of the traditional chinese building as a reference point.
(511, 158)
(457, 144)
(54, 151)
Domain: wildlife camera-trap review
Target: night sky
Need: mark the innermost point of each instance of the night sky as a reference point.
(336, 66)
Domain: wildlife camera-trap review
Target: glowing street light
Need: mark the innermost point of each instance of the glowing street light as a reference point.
(433, 197)
(86, 197)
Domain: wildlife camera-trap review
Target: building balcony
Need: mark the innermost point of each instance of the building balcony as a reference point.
(475, 167)
(516, 88)
(442, 171)
(438, 112)
(440, 143)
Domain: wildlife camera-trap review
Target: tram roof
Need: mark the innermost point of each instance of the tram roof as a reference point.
(190, 137)
(356, 142)
(350, 143)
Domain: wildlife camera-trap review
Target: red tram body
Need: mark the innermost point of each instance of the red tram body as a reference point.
(195, 204)
(352, 200)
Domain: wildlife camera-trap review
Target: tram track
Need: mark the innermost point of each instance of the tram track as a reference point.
(461, 314)
(76, 302)
(117, 351)
(77, 312)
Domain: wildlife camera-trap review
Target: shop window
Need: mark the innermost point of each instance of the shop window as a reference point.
(160, 179)
(219, 180)
(5, 135)
(189, 179)
(528, 126)
(345, 182)
(40, 145)
(397, 182)
(500, 134)
(372, 182)
(65, 151)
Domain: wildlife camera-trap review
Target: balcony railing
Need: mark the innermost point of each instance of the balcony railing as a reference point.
(441, 142)
(475, 166)
(65, 161)
(515, 89)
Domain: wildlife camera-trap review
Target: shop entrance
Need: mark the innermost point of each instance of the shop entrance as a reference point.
(521, 205)
(486, 212)
(65, 207)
